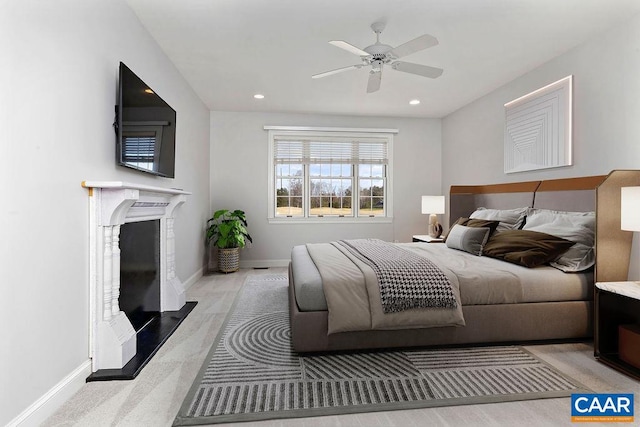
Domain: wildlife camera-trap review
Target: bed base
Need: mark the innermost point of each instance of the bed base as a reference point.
(485, 324)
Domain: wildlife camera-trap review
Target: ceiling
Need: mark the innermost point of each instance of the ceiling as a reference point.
(229, 50)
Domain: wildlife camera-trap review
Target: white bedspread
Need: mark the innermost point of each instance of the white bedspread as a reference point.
(485, 280)
(353, 297)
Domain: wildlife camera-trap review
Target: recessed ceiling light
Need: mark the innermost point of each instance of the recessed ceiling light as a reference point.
(414, 102)
(148, 91)
(258, 96)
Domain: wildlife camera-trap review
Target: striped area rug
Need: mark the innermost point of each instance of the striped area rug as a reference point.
(251, 372)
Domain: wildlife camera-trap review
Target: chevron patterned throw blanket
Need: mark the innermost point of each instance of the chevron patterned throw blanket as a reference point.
(406, 280)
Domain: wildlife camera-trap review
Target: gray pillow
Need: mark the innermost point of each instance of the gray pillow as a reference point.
(510, 219)
(468, 239)
(578, 227)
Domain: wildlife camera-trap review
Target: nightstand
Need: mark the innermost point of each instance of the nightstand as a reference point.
(425, 238)
(617, 326)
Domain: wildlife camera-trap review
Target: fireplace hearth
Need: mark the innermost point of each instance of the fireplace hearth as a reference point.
(137, 300)
(149, 339)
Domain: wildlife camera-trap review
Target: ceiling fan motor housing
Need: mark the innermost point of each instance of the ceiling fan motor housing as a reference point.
(378, 52)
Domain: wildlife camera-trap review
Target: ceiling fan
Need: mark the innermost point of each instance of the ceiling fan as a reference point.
(378, 54)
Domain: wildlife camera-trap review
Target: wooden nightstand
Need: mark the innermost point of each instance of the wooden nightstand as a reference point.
(617, 321)
(425, 238)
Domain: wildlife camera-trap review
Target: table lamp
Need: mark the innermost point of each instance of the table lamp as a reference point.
(630, 208)
(433, 205)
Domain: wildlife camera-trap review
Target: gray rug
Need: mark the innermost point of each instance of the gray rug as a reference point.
(251, 372)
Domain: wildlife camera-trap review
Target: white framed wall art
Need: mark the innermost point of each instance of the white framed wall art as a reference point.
(537, 132)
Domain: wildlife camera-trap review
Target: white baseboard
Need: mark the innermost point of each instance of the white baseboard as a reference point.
(49, 403)
(193, 279)
(265, 263)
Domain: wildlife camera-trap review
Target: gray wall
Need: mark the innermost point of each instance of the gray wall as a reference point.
(58, 83)
(239, 179)
(606, 117)
(606, 114)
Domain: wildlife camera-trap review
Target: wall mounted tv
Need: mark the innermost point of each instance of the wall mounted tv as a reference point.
(145, 127)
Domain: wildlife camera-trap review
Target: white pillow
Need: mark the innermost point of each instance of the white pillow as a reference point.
(578, 227)
(537, 217)
(468, 239)
(510, 219)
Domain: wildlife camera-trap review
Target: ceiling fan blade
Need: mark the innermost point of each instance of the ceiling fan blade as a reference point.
(420, 43)
(421, 70)
(348, 47)
(374, 80)
(336, 71)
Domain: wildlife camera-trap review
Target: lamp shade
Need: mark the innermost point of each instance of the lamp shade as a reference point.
(432, 204)
(630, 208)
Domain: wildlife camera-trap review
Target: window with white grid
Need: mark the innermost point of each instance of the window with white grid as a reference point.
(338, 175)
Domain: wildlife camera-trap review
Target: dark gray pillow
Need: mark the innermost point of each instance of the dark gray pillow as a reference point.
(493, 225)
(468, 239)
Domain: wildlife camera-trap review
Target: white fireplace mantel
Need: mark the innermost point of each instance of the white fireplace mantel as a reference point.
(113, 203)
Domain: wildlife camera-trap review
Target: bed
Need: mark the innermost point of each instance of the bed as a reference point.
(543, 303)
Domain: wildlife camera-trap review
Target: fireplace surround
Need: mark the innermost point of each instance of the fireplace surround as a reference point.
(113, 204)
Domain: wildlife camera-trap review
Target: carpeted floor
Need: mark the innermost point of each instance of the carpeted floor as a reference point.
(252, 373)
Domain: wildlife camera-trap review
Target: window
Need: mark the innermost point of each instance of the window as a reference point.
(327, 175)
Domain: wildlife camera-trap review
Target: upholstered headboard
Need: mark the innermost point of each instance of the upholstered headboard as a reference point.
(599, 193)
(464, 199)
(568, 194)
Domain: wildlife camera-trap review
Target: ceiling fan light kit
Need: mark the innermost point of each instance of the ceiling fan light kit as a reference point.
(379, 54)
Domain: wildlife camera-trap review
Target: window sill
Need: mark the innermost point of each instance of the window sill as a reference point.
(334, 220)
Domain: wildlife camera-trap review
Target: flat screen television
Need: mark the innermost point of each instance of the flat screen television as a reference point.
(145, 127)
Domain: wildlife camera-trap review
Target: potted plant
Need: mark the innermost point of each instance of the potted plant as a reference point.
(227, 230)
